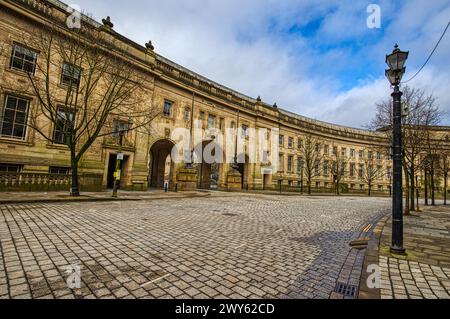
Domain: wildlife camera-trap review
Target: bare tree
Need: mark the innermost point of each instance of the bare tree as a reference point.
(420, 113)
(445, 169)
(434, 151)
(338, 168)
(371, 170)
(312, 158)
(100, 92)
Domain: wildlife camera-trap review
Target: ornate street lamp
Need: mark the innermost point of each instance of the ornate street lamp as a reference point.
(396, 62)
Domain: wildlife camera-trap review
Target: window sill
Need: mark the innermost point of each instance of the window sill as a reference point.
(57, 147)
(20, 73)
(8, 140)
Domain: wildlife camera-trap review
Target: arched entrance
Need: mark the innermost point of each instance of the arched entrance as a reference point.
(243, 169)
(208, 173)
(161, 164)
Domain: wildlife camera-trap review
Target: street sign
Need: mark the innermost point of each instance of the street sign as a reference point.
(120, 156)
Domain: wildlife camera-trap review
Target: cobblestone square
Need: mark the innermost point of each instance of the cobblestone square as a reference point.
(223, 246)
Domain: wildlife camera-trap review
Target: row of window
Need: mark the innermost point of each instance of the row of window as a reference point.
(25, 59)
(326, 149)
(17, 168)
(319, 185)
(14, 118)
(333, 167)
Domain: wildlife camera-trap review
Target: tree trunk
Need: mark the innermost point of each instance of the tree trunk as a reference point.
(445, 188)
(309, 186)
(370, 189)
(426, 188)
(75, 189)
(433, 203)
(407, 194)
(412, 175)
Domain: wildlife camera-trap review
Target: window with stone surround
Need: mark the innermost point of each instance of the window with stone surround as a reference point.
(168, 108)
(70, 75)
(23, 59)
(10, 168)
(63, 123)
(14, 117)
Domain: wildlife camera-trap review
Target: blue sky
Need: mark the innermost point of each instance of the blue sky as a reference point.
(313, 57)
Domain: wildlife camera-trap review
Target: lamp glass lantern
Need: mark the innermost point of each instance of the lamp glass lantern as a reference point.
(396, 60)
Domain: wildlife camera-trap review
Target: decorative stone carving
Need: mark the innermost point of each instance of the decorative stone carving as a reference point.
(149, 46)
(107, 22)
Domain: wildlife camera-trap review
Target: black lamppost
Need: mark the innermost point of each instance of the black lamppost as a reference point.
(396, 61)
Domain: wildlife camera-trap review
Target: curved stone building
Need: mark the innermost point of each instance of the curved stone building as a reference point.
(30, 162)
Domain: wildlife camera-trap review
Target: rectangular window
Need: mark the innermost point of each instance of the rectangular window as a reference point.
(388, 172)
(316, 168)
(380, 188)
(369, 155)
(281, 140)
(290, 142)
(325, 168)
(167, 108)
(123, 126)
(187, 114)
(360, 171)
(11, 168)
(317, 185)
(317, 148)
(299, 165)
(335, 150)
(23, 59)
(64, 120)
(361, 187)
(343, 168)
(380, 171)
(211, 121)
(59, 170)
(244, 131)
(352, 153)
(221, 123)
(378, 156)
(13, 122)
(281, 163)
(71, 74)
(343, 151)
(361, 154)
(326, 149)
(299, 143)
(290, 160)
(352, 169)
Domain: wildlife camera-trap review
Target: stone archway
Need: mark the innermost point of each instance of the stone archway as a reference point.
(161, 164)
(208, 174)
(244, 170)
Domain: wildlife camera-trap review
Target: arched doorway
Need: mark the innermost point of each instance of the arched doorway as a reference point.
(208, 173)
(161, 164)
(243, 169)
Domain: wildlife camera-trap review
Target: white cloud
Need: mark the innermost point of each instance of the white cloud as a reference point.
(240, 44)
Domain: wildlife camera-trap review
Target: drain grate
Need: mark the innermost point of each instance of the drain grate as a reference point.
(345, 289)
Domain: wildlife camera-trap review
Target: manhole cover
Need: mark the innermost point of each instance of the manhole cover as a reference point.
(346, 289)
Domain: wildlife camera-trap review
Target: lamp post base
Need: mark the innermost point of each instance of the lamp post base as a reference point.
(398, 250)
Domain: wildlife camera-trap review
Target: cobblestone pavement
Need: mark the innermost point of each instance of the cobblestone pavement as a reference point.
(239, 246)
(425, 271)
